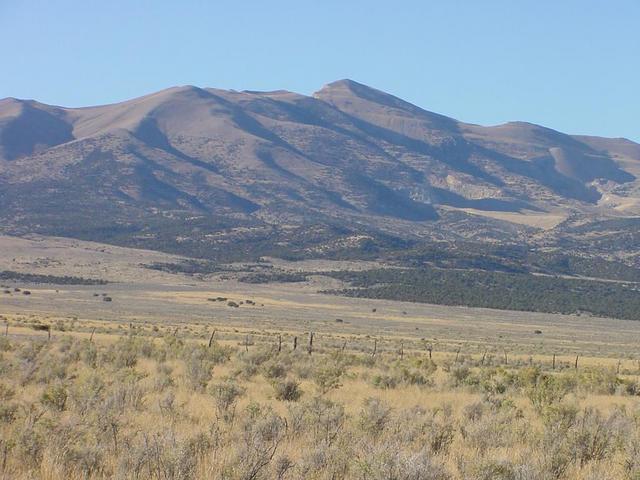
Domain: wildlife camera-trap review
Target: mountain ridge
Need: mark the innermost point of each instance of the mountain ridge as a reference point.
(347, 157)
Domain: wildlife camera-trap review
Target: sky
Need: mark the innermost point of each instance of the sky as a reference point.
(570, 65)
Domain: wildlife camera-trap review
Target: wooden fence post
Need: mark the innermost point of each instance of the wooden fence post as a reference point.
(375, 347)
(211, 338)
(553, 364)
(295, 343)
(93, 330)
(310, 347)
(576, 364)
(401, 350)
(279, 343)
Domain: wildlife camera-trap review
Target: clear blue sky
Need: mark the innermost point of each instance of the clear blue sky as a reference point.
(573, 65)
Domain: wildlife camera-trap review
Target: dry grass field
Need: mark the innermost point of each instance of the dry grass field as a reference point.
(137, 387)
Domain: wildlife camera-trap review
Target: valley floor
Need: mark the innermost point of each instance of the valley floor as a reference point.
(170, 380)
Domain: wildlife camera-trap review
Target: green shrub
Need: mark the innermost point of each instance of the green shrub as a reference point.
(384, 381)
(54, 397)
(547, 391)
(328, 377)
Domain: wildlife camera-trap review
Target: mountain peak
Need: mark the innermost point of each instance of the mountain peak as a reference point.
(373, 104)
(182, 91)
(348, 86)
(8, 100)
(18, 103)
(345, 83)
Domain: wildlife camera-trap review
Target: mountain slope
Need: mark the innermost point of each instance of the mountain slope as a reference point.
(197, 167)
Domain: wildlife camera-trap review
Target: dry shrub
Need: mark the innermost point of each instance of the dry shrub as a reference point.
(287, 390)
(390, 460)
(226, 395)
(262, 432)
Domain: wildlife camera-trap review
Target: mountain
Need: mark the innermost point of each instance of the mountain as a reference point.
(193, 170)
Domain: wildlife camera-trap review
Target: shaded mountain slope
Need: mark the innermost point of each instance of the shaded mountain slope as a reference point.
(349, 157)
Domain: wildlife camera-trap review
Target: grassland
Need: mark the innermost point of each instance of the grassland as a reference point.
(138, 388)
(104, 400)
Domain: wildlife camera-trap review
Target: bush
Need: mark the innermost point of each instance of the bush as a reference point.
(272, 369)
(546, 391)
(287, 390)
(262, 433)
(255, 359)
(5, 344)
(162, 454)
(493, 424)
(384, 381)
(87, 392)
(163, 378)
(8, 411)
(54, 397)
(402, 375)
(226, 395)
(374, 416)
(327, 377)
(460, 376)
(435, 429)
(324, 462)
(124, 353)
(87, 352)
(6, 392)
(322, 418)
(386, 461)
(199, 368)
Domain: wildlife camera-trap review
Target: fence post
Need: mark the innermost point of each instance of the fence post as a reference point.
(310, 348)
(211, 338)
